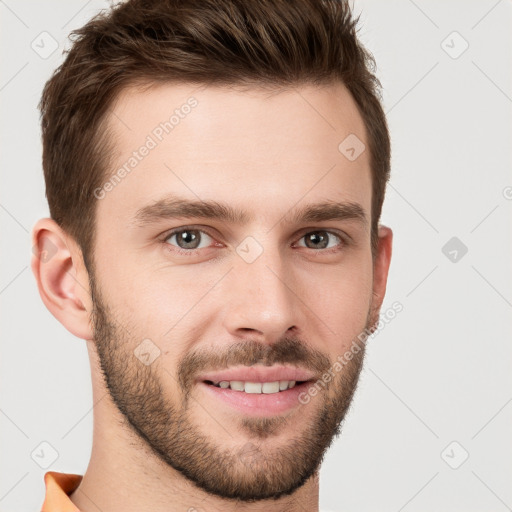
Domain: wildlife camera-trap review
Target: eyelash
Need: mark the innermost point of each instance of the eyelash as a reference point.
(192, 252)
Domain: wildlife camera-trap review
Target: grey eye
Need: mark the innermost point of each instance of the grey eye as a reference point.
(320, 239)
(189, 239)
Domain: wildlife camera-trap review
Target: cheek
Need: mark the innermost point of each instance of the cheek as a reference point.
(162, 303)
(340, 297)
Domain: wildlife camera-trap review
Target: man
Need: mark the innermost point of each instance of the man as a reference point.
(215, 173)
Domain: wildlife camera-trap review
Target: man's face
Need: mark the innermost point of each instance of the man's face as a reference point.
(267, 291)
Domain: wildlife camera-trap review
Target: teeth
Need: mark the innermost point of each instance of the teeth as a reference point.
(257, 387)
(252, 387)
(237, 385)
(270, 387)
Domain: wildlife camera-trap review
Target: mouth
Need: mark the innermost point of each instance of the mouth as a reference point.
(256, 387)
(249, 376)
(261, 399)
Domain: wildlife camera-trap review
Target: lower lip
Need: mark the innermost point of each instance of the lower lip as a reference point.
(258, 404)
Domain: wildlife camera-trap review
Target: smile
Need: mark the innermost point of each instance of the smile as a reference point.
(255, 387)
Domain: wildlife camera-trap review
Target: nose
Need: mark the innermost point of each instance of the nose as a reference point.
(263, 303)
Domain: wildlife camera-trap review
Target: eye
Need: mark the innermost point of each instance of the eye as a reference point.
(322, 240)
(187, 240)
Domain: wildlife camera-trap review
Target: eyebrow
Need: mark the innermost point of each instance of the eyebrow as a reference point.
(174, 207)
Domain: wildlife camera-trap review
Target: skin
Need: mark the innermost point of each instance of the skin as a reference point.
(159, 443)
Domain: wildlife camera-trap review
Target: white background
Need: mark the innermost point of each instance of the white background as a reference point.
(439, 372)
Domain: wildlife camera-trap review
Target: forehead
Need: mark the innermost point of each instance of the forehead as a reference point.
(256, 148)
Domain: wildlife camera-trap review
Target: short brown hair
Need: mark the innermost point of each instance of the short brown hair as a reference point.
(226, 42)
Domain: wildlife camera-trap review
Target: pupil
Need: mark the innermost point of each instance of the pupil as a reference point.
(317, 239)
(192, 238)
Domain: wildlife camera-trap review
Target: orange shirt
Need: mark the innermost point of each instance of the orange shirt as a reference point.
(58, 488)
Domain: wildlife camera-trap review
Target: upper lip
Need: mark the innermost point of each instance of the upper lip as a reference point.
(258, 374)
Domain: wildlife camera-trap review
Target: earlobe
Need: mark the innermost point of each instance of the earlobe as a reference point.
(381, 267)
(62, 279)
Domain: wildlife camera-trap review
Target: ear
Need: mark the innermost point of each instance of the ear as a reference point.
(62, 278)
(381, 268)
